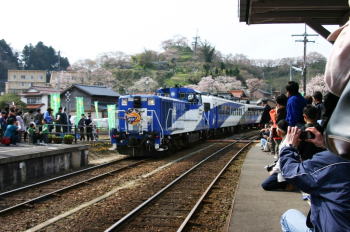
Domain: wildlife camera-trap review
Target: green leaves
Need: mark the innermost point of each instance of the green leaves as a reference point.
(42, 57)
(8, 99)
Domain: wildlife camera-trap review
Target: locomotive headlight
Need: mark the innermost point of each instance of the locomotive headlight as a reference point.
(124, 102)
(151, 102)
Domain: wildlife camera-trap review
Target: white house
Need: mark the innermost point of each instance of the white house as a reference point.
(38, 97)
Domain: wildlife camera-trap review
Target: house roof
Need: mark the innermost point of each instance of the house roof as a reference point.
(34, 106)
(262, 91)
(314, 13)
(40, 90)
(94, 90)
(238, 93)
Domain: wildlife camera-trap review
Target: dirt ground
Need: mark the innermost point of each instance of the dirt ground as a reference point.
(99, 153)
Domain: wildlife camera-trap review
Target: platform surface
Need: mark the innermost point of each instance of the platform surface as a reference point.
(254, 208)
(25, 151)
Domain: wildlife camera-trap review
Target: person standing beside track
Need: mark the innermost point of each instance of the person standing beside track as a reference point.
(81, 126)
(38, 119)
(265, 117)
(28, 118)
(49, 119)
(295, 104)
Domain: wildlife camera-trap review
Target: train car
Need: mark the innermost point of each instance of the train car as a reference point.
(227, 115)
(174, 118)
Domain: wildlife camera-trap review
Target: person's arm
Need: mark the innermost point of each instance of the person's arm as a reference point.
(293, 170)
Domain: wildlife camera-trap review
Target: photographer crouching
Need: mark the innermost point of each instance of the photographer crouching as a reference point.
(326, 177)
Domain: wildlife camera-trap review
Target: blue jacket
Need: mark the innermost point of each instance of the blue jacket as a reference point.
(48, 117)
(10, 131)
(326, 177)
(295, 106)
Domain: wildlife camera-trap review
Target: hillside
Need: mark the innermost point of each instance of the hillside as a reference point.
(183, 64)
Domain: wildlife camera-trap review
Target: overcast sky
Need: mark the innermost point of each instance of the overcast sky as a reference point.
(85, 28)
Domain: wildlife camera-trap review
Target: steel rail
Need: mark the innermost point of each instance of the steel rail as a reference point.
(139, 207)
(189, 216)
(51, 194)
(59, 177)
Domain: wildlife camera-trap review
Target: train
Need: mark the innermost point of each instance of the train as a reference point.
(173, 118)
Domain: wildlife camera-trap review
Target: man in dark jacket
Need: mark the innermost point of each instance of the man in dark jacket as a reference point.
(295, 104)
(265, 117)
(326, 177)
(318, 104)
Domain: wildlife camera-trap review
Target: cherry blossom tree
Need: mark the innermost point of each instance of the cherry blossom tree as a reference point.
(145, 84)
(218, 84)
(102, 77)
(254, 83)
(316, 83)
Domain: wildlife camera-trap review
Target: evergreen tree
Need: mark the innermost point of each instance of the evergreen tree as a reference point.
(42, 57)
(8, 60)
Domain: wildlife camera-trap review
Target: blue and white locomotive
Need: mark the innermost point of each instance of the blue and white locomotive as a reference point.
(176, 117)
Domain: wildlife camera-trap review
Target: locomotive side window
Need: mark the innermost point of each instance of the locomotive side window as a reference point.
(206, 107)
(199, 98)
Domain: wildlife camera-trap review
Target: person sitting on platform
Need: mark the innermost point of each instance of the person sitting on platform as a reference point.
(317, 100)
(34, 136)
(307, 149)
(275, 181)
(264, 136)
(10, 135)
(326, 177)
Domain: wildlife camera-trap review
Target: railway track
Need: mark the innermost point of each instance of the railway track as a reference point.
(172, 207)
(90, 206)
(30, 194)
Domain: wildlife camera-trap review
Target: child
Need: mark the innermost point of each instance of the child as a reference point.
(33, 135)
(307, 149)
(11, 132)
(94, 132)
(264, 134)
(45, 131)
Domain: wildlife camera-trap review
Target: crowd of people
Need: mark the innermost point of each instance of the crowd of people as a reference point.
(35, 126)
(298, 132)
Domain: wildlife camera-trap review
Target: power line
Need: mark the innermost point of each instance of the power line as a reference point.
(305, 41)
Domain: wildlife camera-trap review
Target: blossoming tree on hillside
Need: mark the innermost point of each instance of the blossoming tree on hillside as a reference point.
(218, 84)
(144, 85)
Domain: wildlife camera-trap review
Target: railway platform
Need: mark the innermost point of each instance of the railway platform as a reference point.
(255, 209)
(24, 163)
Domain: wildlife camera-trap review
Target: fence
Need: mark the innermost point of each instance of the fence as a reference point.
(57, 133)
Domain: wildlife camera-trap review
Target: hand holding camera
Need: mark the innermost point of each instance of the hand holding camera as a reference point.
(317, 137)
(293, 136)
(305, 135)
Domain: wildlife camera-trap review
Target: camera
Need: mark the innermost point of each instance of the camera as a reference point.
(269, 167)
(306, 135)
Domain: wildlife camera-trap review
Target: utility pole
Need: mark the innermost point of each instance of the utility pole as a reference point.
(58, 71)
(195, 43)
(305, 41)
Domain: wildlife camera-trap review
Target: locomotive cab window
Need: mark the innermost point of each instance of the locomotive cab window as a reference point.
(182, 96)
